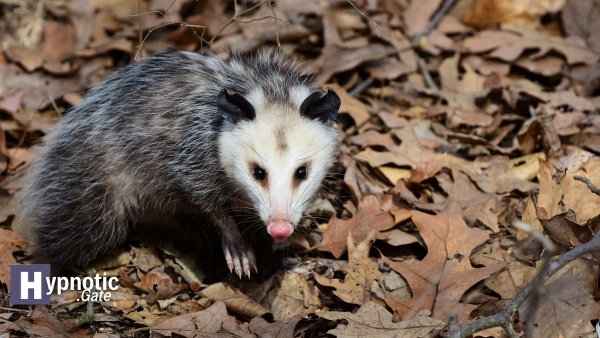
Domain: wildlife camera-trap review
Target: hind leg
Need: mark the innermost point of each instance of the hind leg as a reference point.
(65, 240)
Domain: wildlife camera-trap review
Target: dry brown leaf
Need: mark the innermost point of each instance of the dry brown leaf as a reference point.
(563, 229)
(566, 309)
(397, 237)
(525, 167)
(28, 58)
(453, 81)
(39, 86)
(509, 46)
(359, 274)
(369, 218)
(546, 66)
(440, 280)
(159, 285)
(142, 315)
(236, 301)
(11, 207)
(9, 243)
(81, 15)
(392, 121)
(147, 259)
(557, 195)
(417, 139)
(387, 69)
(569, 123)
(371, 138)
(582, 18)
(373, 320)
(346, 59)
(490, 13)
(477, 205)
(11, 102)
(485, 66)
(280, 329)
(41, 323)
(197, 324)
(510, 280)
(4, 152)
(294, 297)
(394, 174)
(59, 40)
(418, 13)
(33, 120)
(397, 207)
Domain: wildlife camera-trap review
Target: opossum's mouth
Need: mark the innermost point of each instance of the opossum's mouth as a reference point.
(280, 230)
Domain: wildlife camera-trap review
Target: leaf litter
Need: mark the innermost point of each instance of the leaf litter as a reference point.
(445, 140)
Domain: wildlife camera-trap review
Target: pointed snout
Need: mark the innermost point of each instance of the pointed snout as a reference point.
(280, 229)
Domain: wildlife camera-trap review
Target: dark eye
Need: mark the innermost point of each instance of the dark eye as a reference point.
(259, 173)
(301, 173)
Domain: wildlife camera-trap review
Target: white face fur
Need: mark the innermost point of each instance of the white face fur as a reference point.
(279, 158)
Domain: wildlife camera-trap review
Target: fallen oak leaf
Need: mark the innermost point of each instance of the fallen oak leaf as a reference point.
(558, 193)
(508, 45)
(417, 144)
(235, 300)
(292, 327)
(440, 280)
(369, 217)
(347, 58)
(203, 323)
(373, 320)
(359, 274)
(143, 316)
(30, 59)
(9, 243)
(566, 309)
(158, 285)
(294, 297)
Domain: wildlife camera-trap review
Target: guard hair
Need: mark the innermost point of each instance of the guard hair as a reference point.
(184, 140)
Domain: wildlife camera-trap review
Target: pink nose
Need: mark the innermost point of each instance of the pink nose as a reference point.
(280, 230)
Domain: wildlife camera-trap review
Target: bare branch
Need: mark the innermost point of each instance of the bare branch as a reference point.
(166, 22)
(234, 18)
(434, 21)
(589, 183)
(504, 317)
(377, 27)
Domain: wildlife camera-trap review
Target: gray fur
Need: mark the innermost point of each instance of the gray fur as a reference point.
(140, 145)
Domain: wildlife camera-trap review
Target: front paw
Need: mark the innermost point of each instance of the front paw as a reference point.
(239, 257)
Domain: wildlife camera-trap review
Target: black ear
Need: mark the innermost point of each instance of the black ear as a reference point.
(322, 106)
(234, 107)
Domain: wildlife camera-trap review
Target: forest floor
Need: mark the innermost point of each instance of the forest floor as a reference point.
(468, 131)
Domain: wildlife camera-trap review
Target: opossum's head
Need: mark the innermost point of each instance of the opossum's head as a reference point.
(278, 152)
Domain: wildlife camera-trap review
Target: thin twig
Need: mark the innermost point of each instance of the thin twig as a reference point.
(446, 5)
(504, 317)
(166, 22)
(589, 183)
(377, 27)
(426, 74)
(139, 9)
(360, 87)
(234, 18)
(15, 310)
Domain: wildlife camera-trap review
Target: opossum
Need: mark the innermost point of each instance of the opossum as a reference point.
(181, 137)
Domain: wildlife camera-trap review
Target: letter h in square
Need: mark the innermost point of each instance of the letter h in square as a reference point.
(28, 284)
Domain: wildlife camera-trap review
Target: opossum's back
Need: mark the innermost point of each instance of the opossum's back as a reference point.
(148, 128)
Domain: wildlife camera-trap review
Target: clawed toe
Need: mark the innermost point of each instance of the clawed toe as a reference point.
(240, 261)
